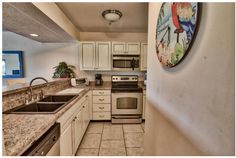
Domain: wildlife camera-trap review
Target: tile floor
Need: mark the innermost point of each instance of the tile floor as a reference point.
(106, 139)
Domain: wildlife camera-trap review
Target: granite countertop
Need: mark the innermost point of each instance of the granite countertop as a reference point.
(21, 130)
(105, 86)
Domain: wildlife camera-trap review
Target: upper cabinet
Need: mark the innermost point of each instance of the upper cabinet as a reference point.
(129, 48)
(87, 55)
(143, 63)
(95, 55)
(103, 56)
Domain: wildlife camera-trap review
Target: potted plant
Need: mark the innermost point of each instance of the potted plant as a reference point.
(64, 71)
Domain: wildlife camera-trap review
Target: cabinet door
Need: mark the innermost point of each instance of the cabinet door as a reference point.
(66, 142)
(86, 116)
(143, 57)
(144, 105)
(78, 130)
(103, 56)
(118, 48)
(133, 48)
(87, 55)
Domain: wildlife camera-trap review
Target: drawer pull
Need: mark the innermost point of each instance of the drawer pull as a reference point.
(101, 116)
(101, 99)
(101, 107)
(101, 92)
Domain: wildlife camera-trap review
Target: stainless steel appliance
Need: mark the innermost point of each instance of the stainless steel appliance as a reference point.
(126, 99)
(98, 79)
(126, 62)
(47, 144)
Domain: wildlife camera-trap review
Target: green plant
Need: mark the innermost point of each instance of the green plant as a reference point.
(64, 71)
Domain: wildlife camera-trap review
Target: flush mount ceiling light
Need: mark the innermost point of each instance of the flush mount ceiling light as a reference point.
(111, 15)
(34, 35)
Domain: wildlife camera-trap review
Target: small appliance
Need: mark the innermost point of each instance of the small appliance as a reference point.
(98, 79)
(79, 82)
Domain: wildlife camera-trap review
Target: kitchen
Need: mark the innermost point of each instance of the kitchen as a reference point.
(101, 109)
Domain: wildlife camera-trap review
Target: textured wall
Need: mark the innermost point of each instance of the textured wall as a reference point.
(196, 96)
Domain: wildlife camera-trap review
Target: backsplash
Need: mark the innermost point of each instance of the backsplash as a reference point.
(15, 98)
(106, 75)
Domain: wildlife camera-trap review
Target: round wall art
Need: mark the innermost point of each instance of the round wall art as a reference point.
(175, 30)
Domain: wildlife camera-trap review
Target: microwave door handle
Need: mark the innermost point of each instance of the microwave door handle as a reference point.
(133, 64)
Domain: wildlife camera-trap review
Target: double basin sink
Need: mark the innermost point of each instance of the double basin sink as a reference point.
(48, 105)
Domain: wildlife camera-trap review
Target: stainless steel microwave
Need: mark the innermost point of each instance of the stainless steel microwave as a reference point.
(126, 62)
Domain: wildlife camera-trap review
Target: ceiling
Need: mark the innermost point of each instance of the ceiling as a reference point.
(87, 16)
(25, 18)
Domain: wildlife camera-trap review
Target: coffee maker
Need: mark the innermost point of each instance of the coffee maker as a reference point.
(98, 79)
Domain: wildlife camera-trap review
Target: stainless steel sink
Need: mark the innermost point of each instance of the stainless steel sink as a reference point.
(48, 105)
(57, 98)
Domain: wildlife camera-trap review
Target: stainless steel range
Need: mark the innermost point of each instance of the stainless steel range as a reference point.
(126, 99)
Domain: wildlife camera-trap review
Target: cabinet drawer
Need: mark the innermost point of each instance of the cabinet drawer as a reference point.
(101, 115)
(101, 92)
(101, 99)
(102, 107)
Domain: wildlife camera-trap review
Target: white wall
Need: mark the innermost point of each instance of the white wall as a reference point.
(197, 95)
(40, 58)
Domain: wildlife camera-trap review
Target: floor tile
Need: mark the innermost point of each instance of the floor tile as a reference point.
(108, 124)
(134, 140)
(130, 128)
(112, 133)
(134, 151)
(112, 152)
(112, 144)
(91, 141)
(87, 152)
(95, 127)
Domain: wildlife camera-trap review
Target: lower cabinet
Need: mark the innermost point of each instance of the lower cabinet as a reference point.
(78, 130)
(101, 104)
(73, 126)
(144, 103)
(66, 142)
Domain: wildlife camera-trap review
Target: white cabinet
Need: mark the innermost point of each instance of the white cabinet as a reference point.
(143, 63)
(133, 48)
(103, 56)
(101, 105)
(95, 55)
(74, 123)
(129, 48)
(144, 103)
(66, 137)
(118, 47)
(86, 114)
(87, 55)
(78, 130)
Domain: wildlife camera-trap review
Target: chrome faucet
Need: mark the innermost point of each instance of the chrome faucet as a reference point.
(30, 86)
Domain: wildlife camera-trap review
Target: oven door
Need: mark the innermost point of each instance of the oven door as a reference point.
(126, 63)
(127, 103)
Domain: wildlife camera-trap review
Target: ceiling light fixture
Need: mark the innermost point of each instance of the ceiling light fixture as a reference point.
(111, 15)
(34, 35)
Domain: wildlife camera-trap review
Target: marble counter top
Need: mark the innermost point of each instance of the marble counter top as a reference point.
(21, 130)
